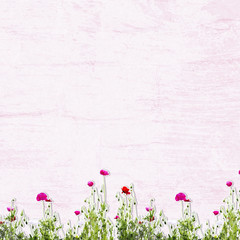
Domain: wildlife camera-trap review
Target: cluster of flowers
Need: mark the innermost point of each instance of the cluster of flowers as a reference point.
(13, 218)
(124, 218)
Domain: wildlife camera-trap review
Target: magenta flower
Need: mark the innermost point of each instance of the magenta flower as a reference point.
(90, 183)
(41, 196)
(117, 217)
(180, 196)
(77, 212)
(215, 212)
(148, 209)
(104, 173)
(229, 184)
(10, 209)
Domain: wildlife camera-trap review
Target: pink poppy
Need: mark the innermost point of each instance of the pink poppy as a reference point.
(148, 209)
(90, 183)
(104, 173)
(77, 212)
(41, 196)
(180, 196)
(10, 209)
(117, 217)
(229, 184)
(215, 212)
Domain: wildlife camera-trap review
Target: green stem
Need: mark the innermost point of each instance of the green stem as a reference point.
(51, 213)
(43, 210)
(182, 210)
(232, 194)
(104, 200)
(93, 197)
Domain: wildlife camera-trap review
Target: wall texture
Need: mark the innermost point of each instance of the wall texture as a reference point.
(148, 90)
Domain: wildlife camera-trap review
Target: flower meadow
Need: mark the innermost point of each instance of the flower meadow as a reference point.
(123, 226)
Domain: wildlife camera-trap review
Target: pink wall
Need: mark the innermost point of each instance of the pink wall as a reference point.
(148, 90)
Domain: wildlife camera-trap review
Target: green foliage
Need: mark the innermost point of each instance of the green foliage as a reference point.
(133, 229)
(186, 230)
(125, 227)
(11, 227)
(46, 230)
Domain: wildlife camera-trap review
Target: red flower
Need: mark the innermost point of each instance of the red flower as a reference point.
(48, 200)
(187, 200)
(151, 219)
(1, 222)
(13, 219)
(125, 190)
(180, 196)
(140, 222)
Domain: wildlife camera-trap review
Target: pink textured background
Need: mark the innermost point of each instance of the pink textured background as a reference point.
(148, 90)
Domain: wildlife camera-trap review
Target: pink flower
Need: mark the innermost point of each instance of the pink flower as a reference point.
(215, 212)
(10, 209)
(77, 212)
(117, 217)
(104, 173)
(239, 172)
(41, 196)
(90, 183)
(180, 196)
(148, 209)
(229, 184)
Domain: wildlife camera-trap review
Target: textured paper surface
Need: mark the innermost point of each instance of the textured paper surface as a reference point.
(148, 90)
